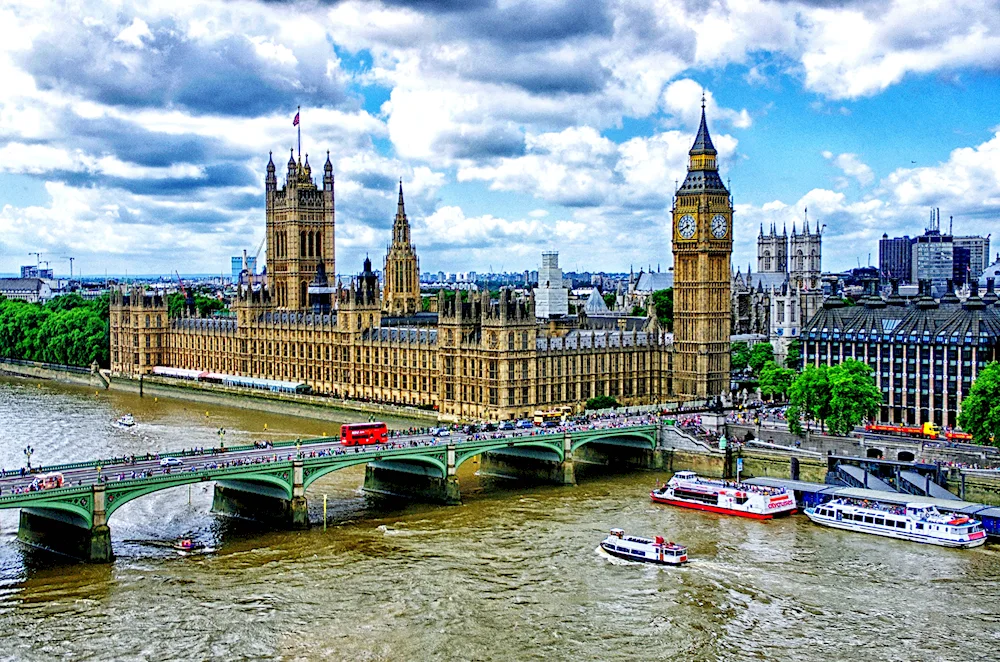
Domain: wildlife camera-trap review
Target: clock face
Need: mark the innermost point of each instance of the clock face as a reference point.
(719, 226)
(686, 226)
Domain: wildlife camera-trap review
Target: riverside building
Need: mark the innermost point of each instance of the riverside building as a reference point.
(477, 356)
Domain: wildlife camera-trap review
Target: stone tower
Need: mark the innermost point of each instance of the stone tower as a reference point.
(703, 246)
(806, 249)
(772, 251)
(401, 293)
(300, 231)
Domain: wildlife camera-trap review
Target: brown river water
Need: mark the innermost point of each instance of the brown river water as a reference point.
(512, 574)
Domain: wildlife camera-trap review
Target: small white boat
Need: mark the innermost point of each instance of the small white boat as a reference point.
(919, 522)
(634, 548)
(689, 490)
(125, 421)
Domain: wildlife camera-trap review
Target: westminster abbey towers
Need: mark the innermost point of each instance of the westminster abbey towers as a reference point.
(703, 245)
(300, 231)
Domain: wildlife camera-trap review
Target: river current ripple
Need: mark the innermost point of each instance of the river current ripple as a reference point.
(512, 574)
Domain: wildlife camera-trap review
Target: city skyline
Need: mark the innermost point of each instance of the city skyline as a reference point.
(148, 149)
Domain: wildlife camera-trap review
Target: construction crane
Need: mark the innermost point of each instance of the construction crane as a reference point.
(67, 257)
(181, 283)
(38, 259)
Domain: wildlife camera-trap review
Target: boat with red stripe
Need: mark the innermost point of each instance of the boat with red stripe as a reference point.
(689, 490)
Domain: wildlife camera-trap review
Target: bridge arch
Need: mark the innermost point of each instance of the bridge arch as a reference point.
(905, 456)
(116, 498)
(874, 453)
(644, 439)
(554, 446)
(311, 475)
(78, 509)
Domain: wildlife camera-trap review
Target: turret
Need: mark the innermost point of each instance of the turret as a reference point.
(271, 180)
(328, 174)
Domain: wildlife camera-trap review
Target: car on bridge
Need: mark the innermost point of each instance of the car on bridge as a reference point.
(525, 424)
(506, 425)
(171, 462)
(440, 432)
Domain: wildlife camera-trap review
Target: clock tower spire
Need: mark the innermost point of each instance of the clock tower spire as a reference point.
(703, 247)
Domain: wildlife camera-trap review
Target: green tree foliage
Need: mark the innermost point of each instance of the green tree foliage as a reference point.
(794, 358)
(601, 402)
(638, 311)
(663, 300)
(739, 355)
(810, 394)
(204, 306)
(980, 413)
(609, 300)
(793, 415)
(67, 330)
(760, 354)
(853, 395)
(775, 380)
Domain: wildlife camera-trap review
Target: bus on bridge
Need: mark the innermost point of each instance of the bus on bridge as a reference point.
(359, 434)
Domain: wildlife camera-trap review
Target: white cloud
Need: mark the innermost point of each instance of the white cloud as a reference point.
(682, 100)
(851, 166)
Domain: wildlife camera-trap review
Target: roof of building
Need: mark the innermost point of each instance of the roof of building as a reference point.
(654, 280)
(703, 141)
(923, 320)
(595, 303)
(21, 284)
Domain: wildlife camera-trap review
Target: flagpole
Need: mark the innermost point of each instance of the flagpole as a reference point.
(299, 115)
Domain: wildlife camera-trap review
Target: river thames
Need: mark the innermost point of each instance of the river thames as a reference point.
(512, 574)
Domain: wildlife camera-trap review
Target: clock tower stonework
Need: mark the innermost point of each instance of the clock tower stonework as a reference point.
(703, 247)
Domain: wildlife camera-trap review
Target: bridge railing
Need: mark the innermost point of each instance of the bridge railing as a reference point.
(127, 459)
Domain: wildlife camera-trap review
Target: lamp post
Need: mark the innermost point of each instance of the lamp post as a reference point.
(222, 438)
(28, 452)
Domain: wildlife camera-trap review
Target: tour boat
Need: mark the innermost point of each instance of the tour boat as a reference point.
(919, 522)
(688, 490)
(634, 548)
(125, 421)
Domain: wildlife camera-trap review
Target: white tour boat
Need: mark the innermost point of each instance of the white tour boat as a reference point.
(919, 522)
(125, 421)
(634, 548)
(688, 490)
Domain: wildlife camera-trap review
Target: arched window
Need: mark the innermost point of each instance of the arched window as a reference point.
(767, 260)
(309, 243)
(319, 244)
(302, 295)
(302, 244)
(798, 260)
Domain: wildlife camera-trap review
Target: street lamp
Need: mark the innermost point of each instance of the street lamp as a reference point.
(28, 451)
(222, 438)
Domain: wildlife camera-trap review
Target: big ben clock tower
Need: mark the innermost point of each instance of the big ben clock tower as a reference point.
(703, 246)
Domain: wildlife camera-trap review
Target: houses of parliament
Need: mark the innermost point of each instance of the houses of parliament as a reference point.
(473, 355)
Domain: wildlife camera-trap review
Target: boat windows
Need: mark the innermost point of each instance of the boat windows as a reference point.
(879, 521)
(920, 527)
(869, 519)
(700, 497)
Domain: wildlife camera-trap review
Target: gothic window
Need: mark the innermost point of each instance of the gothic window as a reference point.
(302, 244)
(767, 260)
(510, 340)
(302, 294)
(524, 340)
(309, 244)
(798, 260)
(319, 244)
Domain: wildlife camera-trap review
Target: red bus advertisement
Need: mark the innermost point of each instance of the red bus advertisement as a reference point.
(355, 434)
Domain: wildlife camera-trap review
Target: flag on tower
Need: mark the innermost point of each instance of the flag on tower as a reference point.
(295, 122)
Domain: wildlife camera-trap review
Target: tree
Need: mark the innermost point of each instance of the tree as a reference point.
(793, 416)
(739, 355)
(663, 301)
(638, 311)
(609, 299)
(853, 395)
(760, 354)
(775, 380)
(980, 411)
(794, 357)
(601, 402)
(810, 394)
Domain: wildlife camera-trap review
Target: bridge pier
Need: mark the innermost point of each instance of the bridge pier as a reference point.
(530, 465)
(414, 481)
(264, 503)
(66, 533)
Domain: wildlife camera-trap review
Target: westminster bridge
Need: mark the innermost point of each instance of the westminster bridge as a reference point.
(268, 482)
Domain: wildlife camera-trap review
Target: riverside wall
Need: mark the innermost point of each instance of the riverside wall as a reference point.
(307, 406)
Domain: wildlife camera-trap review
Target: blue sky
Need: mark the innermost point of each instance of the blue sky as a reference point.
(134, 136)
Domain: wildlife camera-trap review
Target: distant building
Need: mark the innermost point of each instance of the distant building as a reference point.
(978, 256)
(895, 258)
(32, 290)
(924, 355)
(551, 297)
(237, 266)
(36, 272)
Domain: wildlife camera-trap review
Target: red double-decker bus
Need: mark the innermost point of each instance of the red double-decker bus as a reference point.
(356, 434)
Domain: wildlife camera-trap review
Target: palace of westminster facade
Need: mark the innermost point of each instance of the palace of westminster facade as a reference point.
(474, 357)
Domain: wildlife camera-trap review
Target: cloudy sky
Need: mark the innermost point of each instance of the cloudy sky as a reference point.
(134, 136)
